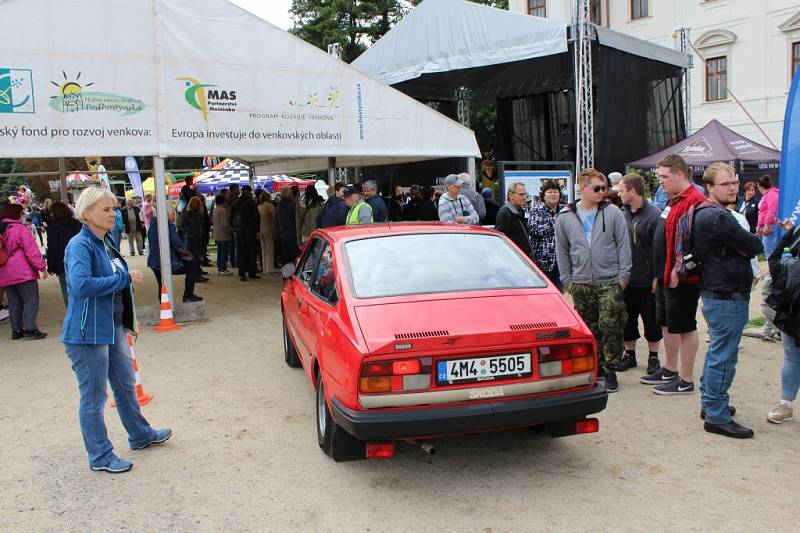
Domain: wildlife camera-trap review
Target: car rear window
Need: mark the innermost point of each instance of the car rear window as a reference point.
(435, 262)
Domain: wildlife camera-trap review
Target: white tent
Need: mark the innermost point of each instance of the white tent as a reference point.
(187, 78)
(447, 35)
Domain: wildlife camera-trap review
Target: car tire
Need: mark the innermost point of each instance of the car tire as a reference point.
(331, 437)
(289, 351)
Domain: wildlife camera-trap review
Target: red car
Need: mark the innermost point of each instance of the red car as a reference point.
(418, 330)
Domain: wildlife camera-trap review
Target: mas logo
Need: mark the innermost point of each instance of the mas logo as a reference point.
(73, 97)
(206, 97)
(16, 91)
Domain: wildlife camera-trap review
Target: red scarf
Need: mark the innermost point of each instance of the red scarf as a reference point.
(679, 205)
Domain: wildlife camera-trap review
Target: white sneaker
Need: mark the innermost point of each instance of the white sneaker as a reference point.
(4, 315)
(780, 414)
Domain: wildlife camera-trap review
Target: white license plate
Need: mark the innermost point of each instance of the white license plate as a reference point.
(487, 368)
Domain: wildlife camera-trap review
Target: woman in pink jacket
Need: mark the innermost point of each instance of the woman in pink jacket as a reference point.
(20, 274)
(767, 225)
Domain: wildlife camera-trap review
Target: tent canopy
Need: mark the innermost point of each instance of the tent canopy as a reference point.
(146, 81)
(712, 143)
(476, 35)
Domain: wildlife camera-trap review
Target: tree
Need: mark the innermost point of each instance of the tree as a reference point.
(8, 186)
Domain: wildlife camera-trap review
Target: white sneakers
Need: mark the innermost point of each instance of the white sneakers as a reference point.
(780, 414)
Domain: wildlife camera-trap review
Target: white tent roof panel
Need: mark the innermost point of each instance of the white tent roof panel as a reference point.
(445, 35)
(187, 78)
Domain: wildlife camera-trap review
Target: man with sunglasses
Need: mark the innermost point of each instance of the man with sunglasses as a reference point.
(594, 261)
(726, 249)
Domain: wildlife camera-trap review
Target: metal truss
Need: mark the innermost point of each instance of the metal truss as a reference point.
(584, 103)
(685, 46)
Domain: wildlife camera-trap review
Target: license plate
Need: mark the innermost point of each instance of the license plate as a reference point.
(491, 367)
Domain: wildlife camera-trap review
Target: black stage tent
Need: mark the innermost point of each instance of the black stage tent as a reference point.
(450, 50)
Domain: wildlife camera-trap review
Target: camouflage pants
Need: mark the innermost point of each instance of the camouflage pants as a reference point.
(603, 310)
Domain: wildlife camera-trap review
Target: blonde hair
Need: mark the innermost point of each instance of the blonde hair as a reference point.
(711, 172)
(89, 197)
(588, 174)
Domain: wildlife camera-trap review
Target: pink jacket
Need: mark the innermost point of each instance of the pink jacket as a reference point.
(147, 213)
(25, 261)
(768, 208)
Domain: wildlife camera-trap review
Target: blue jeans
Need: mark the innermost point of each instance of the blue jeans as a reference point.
(771, 241)
(790, 372)
(726, 320)
(94, 366)
(223, 251)
(116, 236)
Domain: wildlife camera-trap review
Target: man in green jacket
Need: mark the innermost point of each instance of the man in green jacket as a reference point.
(360, 211)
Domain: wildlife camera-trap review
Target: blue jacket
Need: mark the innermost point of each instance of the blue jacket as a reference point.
(118, 223)
(92, 282)
(154, 254)
(334, 213)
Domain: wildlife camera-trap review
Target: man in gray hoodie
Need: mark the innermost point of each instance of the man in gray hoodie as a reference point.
(594, 260)
(454, 207)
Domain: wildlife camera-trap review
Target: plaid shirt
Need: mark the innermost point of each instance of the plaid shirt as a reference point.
(542, 230)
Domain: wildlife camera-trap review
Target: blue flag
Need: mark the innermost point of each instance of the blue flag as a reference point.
(789, 199)
(133, 174)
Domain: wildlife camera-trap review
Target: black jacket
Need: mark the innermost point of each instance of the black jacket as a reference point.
(427, 210)
(59, 233)
(787, 316)
(380, 213)
(641, 230)
(491, 213)
(193, 226)
(750, 210)
(334, 213)
(249, 220)
(514, 226)
(138, 225)
(726, 249)
(285, 216)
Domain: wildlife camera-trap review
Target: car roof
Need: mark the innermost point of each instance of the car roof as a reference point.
(344, 233)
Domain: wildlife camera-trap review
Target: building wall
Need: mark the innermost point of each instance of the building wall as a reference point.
(755, 36)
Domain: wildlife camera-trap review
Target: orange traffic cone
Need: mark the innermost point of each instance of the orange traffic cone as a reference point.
(166, 321)
(141, 395)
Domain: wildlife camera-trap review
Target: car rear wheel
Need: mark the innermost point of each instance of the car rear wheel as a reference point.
(332, 438)
(289, 351)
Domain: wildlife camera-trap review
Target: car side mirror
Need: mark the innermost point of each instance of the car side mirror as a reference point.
(288, 270)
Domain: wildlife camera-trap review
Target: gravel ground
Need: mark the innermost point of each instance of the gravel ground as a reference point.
(244, 454)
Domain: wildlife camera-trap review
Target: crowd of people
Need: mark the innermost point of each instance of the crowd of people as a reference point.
(624, 258)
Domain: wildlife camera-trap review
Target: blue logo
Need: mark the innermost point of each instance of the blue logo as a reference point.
(16, 91)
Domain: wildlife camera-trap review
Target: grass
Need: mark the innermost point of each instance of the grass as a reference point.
(755, 322)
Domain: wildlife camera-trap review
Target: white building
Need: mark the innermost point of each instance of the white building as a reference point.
(754, 45)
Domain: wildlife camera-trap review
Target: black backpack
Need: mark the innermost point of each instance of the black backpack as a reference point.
(688, 262)
(786, 277)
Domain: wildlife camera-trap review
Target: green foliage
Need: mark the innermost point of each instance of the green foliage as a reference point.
(650, 180)
(8, 186)
(483, 118)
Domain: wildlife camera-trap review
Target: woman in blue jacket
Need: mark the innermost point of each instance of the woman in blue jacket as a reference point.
(99, 311)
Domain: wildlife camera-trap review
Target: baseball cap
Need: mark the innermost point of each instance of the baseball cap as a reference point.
(350, 191)
(453, 179)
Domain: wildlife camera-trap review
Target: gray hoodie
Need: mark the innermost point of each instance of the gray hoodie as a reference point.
(608, 257)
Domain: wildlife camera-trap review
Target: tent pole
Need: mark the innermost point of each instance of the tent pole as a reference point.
(163, 228)
(331, 171)
(62, 179)
(471, 172)
(357, 175)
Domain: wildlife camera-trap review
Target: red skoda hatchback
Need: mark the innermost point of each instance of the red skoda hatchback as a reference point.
(415, 331)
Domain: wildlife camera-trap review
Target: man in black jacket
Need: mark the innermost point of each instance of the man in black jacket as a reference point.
(334, 212)
(642, 218)
(246, 222)
(511, 217)
(133, 227)
(725, 249)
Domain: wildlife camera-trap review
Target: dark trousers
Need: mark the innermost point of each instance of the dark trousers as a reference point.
(23, 305)
(233, 251)
(189, 271)
(62, 282)
(640, 301)
(289, 250)
(246, 253)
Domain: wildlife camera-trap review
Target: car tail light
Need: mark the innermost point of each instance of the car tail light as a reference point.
(590, 425)
(565, 359)
(380, 450)
(396, 376)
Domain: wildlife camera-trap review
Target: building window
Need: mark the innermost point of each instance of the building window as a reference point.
(595, 12)
(795, 57)
(716, 79)
(639, 9)
(537, 8)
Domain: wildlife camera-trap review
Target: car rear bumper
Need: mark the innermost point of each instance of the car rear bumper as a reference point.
(434, 421)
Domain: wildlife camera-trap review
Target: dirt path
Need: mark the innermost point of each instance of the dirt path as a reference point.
(244, 454)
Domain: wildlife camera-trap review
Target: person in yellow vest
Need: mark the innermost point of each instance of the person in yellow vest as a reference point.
(360, 211)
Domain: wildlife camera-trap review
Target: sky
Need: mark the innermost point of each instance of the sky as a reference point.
(274, 11)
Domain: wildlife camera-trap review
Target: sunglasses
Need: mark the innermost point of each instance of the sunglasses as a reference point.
(599, 188)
